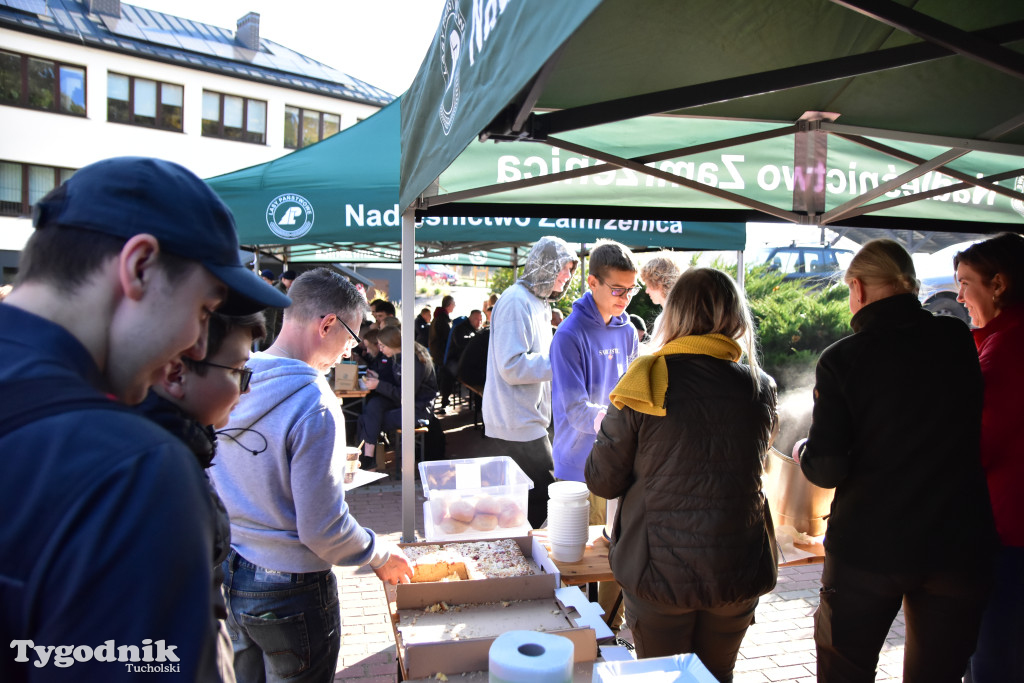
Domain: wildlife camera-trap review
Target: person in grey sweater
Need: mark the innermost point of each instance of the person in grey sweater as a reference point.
(517, 395)
(280, 474)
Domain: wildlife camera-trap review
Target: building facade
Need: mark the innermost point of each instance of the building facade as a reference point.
(83, 80)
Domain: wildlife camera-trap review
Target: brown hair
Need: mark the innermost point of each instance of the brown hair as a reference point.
(608, 255)
(1003, 254)
(391, 337)
(220, 327)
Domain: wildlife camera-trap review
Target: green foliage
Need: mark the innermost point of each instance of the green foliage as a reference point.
(795, 323)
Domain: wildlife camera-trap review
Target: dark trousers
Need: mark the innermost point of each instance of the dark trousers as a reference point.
(534, 458)
(379, 413)
(714, 635)
(999, 657)
(942, 610)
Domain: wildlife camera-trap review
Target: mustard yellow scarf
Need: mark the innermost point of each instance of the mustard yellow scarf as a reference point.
(643, 386)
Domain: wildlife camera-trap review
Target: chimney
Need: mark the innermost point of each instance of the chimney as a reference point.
(111, 8)
(248, 31)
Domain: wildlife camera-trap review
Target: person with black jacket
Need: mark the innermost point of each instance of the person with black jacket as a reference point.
(383, 408)
(683, 443)
(895, 430)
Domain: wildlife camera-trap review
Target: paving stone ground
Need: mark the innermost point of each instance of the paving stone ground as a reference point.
(778, 648)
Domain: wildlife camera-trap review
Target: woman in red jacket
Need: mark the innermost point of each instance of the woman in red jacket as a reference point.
(991, 279)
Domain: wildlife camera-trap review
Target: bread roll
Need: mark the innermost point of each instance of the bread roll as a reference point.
(453, 526)
(510, 515)
(462, 510)
(484, 522)
(488, 505)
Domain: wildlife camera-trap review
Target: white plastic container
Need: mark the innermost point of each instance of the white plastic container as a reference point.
(474, 498)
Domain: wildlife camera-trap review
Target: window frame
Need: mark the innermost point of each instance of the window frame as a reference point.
(24, 95)
(301, 125)
(245, 118)
(25, 209)
(159, 97)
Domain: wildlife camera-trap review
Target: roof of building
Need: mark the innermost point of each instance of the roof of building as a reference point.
(163, 37)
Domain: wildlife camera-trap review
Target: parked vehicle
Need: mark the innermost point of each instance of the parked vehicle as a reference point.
(814, 264)
(938, 294)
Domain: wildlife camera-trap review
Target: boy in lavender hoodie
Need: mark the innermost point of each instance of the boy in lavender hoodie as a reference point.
(589, 353)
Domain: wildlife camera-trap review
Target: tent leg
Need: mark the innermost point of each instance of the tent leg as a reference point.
(741, 273)
(408, 455)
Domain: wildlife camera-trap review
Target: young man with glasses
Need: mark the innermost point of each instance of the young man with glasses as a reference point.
(195, 398)
(280, 474)
(589, 353)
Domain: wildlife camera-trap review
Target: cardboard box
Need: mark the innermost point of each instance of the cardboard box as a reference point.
(346, 376)
(533, 601)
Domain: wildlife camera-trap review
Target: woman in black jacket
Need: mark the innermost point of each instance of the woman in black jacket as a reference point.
(683, 444)
(383, 409)
(896, 426)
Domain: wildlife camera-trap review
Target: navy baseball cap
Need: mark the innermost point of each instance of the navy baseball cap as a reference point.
(128, 196)
(267, 273)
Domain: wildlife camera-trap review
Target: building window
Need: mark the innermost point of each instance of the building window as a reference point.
(144, 102)
(234, 118)
(41, 84)
(303, 127)
(22, 185)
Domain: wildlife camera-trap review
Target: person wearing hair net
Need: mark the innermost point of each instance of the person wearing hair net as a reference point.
(517, 395)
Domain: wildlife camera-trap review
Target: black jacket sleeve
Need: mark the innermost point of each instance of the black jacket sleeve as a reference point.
(826, 458)
(609, 467)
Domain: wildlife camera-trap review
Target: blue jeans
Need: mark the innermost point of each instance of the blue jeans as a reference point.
(283, 627)
(999, 657)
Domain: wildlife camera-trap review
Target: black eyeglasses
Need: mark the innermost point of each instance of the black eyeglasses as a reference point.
(354, 335)
(619, 291)
(244, 373)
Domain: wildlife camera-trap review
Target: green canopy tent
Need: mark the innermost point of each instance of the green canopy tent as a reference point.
(338, 200)
(933, 89)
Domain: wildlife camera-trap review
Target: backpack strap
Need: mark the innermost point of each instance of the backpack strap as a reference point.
(31, 400)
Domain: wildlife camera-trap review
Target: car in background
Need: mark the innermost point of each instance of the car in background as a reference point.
(938, 295)
(816, 265)
(447, 275)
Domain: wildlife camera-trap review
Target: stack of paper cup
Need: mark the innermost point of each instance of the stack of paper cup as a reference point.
(568, 520)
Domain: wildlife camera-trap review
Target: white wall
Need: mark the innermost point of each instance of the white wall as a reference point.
(50, 139)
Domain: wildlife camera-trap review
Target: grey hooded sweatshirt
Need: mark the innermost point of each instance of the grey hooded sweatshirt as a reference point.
(517, 394)
(287, 502)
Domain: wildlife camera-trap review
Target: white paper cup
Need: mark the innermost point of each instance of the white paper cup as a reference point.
(568, 552)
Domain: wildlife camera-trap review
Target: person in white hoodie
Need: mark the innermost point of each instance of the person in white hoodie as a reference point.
(280, 474)
(517, 394)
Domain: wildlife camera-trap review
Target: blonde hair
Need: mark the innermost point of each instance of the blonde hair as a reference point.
(661, 272)
(707, 301)
(884, 262)
(391, 337)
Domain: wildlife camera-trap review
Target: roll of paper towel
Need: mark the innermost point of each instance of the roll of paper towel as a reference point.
(520, 656)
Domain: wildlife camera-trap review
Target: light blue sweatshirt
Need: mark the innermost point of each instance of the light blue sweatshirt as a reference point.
(287, 503)
(587, 359)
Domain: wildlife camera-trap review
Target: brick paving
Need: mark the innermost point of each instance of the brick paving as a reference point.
(779, 648)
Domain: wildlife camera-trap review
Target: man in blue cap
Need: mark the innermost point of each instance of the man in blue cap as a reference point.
(105, 551)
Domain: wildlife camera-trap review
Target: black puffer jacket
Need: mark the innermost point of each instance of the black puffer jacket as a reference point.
(896, 431)
(693, 529)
